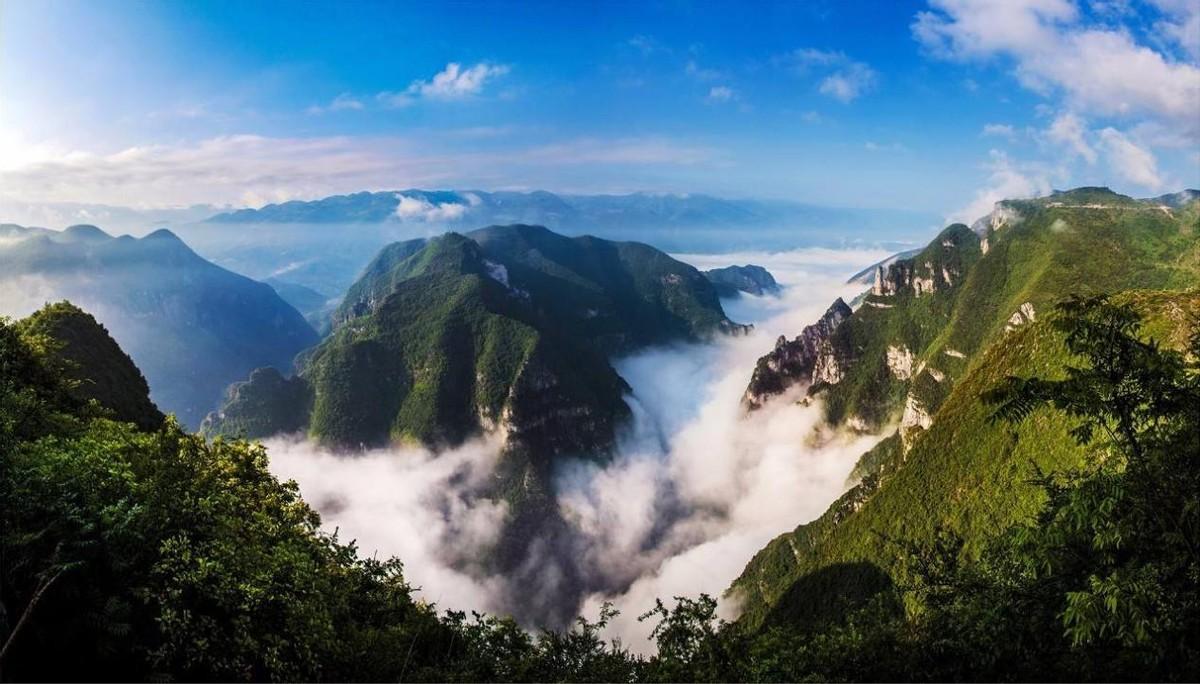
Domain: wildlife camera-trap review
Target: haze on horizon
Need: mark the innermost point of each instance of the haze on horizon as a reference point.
(940, 107)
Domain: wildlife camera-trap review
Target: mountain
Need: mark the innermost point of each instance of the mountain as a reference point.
(92, 362)
(508, 326)
(632, 213)
(750, 279)
(314, 306)
(1175, 200)
(936, 330)
(191, 326)
(507, 329)
(322, 244)
(115, 218)
(803, 360)
(867, 275)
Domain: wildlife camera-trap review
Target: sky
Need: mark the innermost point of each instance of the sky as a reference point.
(942, 106)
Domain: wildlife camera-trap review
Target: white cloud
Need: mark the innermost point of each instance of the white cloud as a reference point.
(999, 130)
(962, 29)
(805, 58)
(237, 169)
(1006, 181)
(1181, 24)
(646, 45)
(421, 209)
(1098, 69)
(411, 503)
(343, 102)
(721, 94)
(452, 83)
(251, 170)
(849, 83)
(844, 79)
(701, 73)
(1070, 130)
(1133, 163)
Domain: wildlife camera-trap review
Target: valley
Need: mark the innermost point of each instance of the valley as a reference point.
(638, 342)
(510, 408)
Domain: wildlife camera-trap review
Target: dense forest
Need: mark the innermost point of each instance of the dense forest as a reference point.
(136, 550)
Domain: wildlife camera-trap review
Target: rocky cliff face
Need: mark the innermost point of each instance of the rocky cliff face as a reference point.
(808, 359)
(938, 267)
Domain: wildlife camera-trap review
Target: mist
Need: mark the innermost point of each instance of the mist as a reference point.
(696, 488)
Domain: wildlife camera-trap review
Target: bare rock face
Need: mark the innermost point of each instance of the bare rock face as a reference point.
(1003, 214)
(1024, 314)
(807, 359)
(915, 419)
(900, 362)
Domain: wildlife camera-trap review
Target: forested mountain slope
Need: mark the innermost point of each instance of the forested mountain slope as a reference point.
(509, 326)
(936, 331)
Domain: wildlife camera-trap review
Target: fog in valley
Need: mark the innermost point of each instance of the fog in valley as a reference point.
(695, 489)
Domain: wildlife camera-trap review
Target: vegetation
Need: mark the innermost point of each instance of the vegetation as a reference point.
(91, 362)
(158, 555)
(964, 472)
(440, 338)
(1085, 241)
(731, 281)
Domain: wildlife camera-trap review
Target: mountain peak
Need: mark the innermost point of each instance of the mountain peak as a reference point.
(163, 234)
(85, 231)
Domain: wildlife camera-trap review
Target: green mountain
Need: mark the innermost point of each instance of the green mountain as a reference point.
(508, 326)
(191, 326)
(92, 363)
(510, 329)
(936, 331)
(730, 281)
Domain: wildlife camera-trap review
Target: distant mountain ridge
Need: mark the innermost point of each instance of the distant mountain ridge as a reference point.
(322, 244)
(192, 327)
(556, 211)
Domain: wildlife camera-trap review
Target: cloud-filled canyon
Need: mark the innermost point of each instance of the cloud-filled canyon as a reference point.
(695, 488)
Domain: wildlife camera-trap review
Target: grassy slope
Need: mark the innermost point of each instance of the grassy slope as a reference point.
(1052, 252)
(965, 472)
(870, 391)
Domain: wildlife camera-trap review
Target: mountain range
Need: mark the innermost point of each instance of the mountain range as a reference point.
(192, 327)
(322, 244)
(511, 328)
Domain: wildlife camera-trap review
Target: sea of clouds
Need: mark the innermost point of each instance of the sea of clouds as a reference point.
(697, 486)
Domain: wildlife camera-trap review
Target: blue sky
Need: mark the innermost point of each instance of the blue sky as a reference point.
(939, 106)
